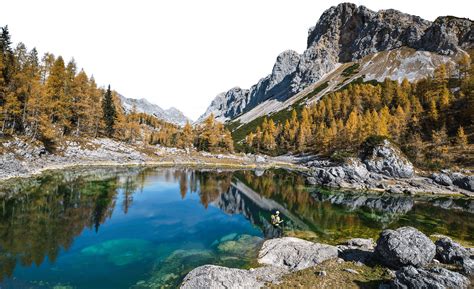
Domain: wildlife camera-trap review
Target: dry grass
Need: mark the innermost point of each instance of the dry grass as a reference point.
(336, 277)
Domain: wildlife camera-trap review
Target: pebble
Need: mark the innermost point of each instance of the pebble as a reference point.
(351, 271)
(321, 273)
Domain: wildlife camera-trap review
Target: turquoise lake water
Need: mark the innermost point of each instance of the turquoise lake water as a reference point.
(146, 228)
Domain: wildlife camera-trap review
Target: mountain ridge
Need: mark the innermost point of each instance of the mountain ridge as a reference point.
(172, 114)
(344, 33)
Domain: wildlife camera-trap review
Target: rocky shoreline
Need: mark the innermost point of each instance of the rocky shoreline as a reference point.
(20, 159)
(381, 169)
(384, 168)
(410, 259)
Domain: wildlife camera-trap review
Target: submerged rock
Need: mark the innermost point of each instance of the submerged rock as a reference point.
(121, 252)
(404, 246)
(242, 246)
(169, 272)
(294, 254)
(436, 278)
(228, 237)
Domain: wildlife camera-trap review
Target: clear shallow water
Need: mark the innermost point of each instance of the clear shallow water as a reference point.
(146, 228)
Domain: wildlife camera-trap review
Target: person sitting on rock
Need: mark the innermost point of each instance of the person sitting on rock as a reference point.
(276, 220)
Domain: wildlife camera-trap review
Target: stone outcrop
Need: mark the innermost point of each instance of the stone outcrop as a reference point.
(436, 278)
(210, 276)
(448, 178)
(387, 160)
(280, 256)
(384, 167)
(403, 247)
(357, 250)
(448, 251)
(375, 164)
(294, 254)
(345, 33)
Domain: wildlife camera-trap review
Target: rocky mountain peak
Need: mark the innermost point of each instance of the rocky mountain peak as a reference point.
(447, 34)
(285, 64)
(171, 115)
(346, 33)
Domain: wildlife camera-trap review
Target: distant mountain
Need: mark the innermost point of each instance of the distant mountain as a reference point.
(377, 44)
(171, 115)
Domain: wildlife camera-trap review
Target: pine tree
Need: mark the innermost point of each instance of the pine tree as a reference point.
(439, 137)
(56, 104)
(188, 135)
(352, 126)
(383, 119)
(109, 113)
(250, 139)
(461, 138)
(81, 104)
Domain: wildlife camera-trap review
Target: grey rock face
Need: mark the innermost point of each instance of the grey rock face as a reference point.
(462, 181)
(446, 34)
(468, 266)
(383, 161)
(294, 254)
(387, 160)
(434, 278)
(210, 276)
(285, 65)
(227, 104)
(346, 33)
(442, 179)
(448, 178)
(404, 246)
(448, 251)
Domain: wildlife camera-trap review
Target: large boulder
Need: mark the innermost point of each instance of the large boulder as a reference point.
(330, 176)
(442, 179)
(357, 250)
(385, 159)
(435, 278)
(468, 266)
(448, 251)
(360, 243)
(463, 181)
(211, 276)
(295, 254)
(404, 246)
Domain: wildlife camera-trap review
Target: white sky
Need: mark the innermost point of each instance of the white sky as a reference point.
(182, 53)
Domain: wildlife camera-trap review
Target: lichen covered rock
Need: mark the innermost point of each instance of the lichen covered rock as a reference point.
(294, 254)
(404, 246)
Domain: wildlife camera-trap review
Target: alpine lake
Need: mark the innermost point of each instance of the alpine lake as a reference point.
(132, 227)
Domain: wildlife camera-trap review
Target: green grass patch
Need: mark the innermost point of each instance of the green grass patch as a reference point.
(351, 70)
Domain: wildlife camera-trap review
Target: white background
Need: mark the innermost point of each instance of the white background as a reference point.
(181, 53)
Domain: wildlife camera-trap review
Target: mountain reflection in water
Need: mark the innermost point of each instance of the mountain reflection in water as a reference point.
(40, 218)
